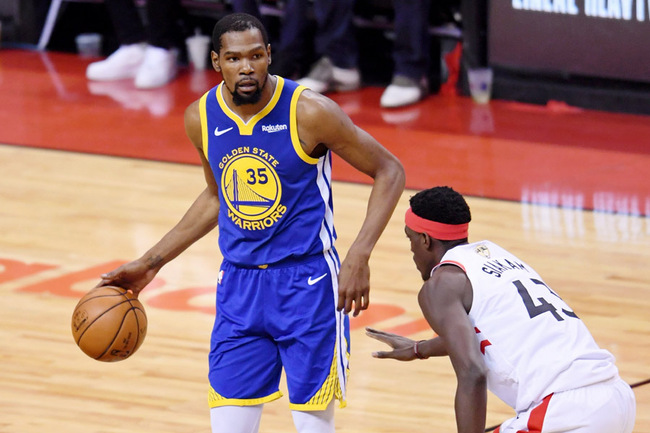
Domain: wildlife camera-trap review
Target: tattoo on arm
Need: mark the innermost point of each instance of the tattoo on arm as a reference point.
(153, 262)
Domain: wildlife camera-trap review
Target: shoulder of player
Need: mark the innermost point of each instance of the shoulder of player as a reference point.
(192, 112)
(449, 278)
(448, 269)
(449, 284)
(315, 108)
(192, 119)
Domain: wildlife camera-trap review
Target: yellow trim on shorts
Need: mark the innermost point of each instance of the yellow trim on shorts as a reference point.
(216, 400)
(331, 388)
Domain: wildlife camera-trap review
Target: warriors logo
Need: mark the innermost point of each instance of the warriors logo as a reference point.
(251, 189)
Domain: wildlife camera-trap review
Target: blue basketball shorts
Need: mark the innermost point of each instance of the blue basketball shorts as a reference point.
(281, 316)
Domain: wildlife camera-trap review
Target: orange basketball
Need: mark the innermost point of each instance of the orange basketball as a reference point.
(109, 324)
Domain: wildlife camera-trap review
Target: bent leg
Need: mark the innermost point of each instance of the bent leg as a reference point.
(606, 407)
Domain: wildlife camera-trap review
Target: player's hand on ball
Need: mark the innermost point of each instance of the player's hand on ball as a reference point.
(402, 346)
(133, 276)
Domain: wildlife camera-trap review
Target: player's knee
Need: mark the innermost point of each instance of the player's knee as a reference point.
(236, 419)
(321, 421)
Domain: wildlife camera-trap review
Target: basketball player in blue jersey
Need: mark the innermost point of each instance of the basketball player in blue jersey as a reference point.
(283, 295)
(505, 330)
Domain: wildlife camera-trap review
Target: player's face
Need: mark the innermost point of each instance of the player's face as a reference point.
(421, 254)
(244, 63)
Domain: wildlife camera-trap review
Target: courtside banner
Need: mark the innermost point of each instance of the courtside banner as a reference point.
(593, 38)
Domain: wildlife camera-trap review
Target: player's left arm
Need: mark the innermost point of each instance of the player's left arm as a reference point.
(445, 300)
(405, 349)
(323, 125)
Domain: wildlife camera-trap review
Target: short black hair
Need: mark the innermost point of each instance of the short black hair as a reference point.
(441, 204)
(237, 22)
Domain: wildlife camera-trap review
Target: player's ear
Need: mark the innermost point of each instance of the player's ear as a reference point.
(427, 240)
(268, 52)
(215, 61)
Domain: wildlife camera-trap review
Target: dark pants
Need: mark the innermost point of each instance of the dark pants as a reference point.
(162, 16)
(474, 14)
(333, 36)
(412, 42)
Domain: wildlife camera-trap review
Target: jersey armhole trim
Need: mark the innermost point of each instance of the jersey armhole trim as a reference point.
(204, 124)
(295, 139)
(452, 262)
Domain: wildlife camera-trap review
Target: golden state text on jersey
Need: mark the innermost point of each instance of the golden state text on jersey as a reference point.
(276, 200)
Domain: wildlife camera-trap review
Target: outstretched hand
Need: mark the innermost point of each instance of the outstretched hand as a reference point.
(402, 346)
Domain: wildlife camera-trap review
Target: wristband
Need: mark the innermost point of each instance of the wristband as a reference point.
(415, 350)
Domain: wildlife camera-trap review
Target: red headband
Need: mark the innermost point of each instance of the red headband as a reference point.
(442, 231)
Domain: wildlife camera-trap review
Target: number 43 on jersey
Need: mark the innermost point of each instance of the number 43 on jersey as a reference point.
(542, 305)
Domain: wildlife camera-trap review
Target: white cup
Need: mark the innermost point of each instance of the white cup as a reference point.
(198, 47)
(89, 44)
(480, 84)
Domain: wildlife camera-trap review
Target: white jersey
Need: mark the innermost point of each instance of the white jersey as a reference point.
(533, 343)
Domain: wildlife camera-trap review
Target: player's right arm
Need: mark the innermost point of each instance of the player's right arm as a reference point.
(445, 300)
(200, 219)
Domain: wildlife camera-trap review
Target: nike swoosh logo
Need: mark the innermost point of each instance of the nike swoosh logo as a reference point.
(218, 133)
(315, 280)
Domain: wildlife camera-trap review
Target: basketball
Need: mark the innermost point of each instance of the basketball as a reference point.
(109, 324)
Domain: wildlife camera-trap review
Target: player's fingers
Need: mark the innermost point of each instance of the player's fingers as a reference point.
(383, 355)
(341, 303)
(358, 305)
(365, 301)
(348, 305)
(105, 281)
(375, 331)
(136, 292)
(372, 332)
(377, 335)
(112, 276)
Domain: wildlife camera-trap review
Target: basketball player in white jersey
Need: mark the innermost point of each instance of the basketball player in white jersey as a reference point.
(505, 330)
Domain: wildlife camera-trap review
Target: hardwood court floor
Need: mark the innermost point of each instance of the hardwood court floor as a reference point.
(66, 216)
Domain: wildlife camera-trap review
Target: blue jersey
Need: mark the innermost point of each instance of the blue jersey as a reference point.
(276, 201)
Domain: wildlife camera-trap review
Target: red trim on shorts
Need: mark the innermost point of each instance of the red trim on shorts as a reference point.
(536, 419)
(497, 430)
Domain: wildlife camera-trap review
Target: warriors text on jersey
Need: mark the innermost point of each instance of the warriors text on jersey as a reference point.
(533, 343)
(276, 201)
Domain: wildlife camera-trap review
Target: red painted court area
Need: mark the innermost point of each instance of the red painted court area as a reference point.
(555, 154)
(176, 300)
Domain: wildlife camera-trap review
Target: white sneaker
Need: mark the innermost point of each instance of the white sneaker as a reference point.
(403, 91)
(346, 80)
(123, 63)
(157, 69)
(325, 77)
